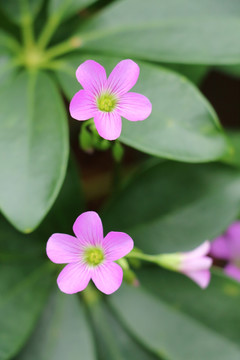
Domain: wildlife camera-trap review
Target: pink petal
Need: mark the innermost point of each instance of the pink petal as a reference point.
(233, 230)
(92, 76)
(232, 271)
(123, 77)
(201, 250)
(108, 124)
(116, 245)
(74, 278)
(108, 277)
(62, 249)
(220, 248)
(202, 277)
(196, 264)
(88, 228)
(233, 237)
(83, 105)
(134, 107)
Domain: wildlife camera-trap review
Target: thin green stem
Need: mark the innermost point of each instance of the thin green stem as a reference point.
(53, 65)
(167, 261)
(123, 263)
(117, 175)
(48, 31)
(27, 31)
(27, 25)
(117, 154)
(63, 48)
(141, 256)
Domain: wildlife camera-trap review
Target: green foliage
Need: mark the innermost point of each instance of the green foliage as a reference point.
(17, 10)
(25, 276)
(25, 280)
(61, 333)
(33, 148)
(177, 320)
(166, 206)
(175, 31)
(234, 159)
(23, 294)
(118, 151)
(67, 8)
(113, 342)
(216, 307)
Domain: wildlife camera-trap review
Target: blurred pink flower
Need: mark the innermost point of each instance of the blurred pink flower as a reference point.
(89, 255)
(227, 247)
(106, 100)
(196, 264)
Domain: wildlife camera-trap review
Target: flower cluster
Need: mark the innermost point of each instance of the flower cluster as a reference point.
(89, 255)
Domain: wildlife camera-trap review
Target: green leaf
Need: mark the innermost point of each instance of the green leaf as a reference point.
(113, 342)
(234, 157)
(68, 206)
(182, 126)
(62, 332)
(18, 247)
(232, 70)
(67, 8)
(16, 10)
(23, 291)
(7, 70)
(7, 47)
(33, 148)
(195, 73)
(5, 43)
(24, 279)
(174, 207)
(179, 321)
(175, 31)
(24, 285)
(221, 297)
(7, 67)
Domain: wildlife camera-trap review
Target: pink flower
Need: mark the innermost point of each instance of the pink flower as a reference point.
(106, 100)
(196, 264)
(89, 255)
(227, 247)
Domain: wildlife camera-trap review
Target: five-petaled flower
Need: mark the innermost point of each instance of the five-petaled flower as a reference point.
(227, 247)
(107, 99)
(89, 255)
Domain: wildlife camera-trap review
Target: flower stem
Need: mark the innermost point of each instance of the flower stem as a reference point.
(116, 180)
(140, 256)
(123, 263)
(49, 30)
(167, 261)
(64, 47)
(27, 25)
(91, 295)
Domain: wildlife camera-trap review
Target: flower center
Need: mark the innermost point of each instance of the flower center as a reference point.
(94, 256)
(106, 102)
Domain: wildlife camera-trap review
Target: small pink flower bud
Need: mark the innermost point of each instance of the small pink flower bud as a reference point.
(196, 264)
